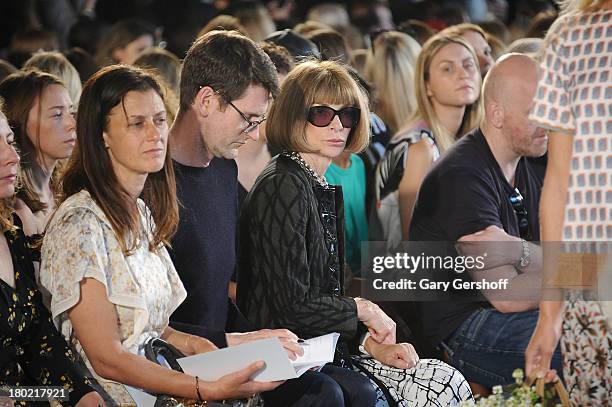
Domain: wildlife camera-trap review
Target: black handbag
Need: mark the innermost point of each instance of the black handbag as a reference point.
(161, 352)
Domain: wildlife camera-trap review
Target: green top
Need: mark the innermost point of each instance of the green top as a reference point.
(353, 182)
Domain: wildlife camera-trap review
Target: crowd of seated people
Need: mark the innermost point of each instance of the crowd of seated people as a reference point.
(216, 182)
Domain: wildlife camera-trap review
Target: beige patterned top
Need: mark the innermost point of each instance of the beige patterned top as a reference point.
(144, 286)
(574, 96)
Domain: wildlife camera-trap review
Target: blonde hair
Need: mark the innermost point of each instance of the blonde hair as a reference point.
(390, 68)
(460, 29)
(426, 111)
(568, 6)
(315, 82)
(57, 64)
(309, 26)
(334, 15)
(166, 68)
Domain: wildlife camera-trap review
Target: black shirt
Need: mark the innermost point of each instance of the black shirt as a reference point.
(204, 248)
(464, 192)
(33, 352)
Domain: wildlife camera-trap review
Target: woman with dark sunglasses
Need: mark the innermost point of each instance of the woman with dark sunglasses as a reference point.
(291, 248)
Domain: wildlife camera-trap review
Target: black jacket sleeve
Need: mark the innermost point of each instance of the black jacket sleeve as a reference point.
(291, 278)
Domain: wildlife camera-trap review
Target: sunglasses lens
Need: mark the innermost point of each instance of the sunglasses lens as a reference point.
(349, 117)
(320, 116)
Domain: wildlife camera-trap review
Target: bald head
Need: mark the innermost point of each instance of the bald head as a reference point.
(508, 93)
(511, 76)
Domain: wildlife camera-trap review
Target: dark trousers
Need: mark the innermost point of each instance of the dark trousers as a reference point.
(489, 345)
(333, 386)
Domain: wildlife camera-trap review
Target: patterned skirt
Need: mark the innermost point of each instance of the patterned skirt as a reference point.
(430, 383)
(586, 345)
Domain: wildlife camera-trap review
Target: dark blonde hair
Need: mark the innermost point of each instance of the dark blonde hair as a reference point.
(20, 92)
(167, 65)
(90, 166)
(57, 64)
(460, 29)
(167, 68)
(315, 82)
(390, 68)
(426, 111)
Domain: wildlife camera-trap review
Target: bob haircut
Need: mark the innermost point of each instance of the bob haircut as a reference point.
(310, 82)
(90, 166)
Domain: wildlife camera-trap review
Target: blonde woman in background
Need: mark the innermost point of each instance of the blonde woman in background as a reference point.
(573, 102)
(57, 64)
(390, 68)
(447, 85)
(478, 39)
(167, 67)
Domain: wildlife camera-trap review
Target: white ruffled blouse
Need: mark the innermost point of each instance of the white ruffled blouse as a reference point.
(144, 286)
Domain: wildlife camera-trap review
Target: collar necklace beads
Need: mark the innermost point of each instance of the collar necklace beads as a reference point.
(300, 160)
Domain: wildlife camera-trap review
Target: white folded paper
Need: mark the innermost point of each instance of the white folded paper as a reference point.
(213, 365)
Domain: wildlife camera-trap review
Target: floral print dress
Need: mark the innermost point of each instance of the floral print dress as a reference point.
(33, 352)
(143, 286)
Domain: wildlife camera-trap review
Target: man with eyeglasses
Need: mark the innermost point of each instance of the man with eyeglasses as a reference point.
(227, 82)
(483, 198)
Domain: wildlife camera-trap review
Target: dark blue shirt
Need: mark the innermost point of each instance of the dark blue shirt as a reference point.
(204, 248)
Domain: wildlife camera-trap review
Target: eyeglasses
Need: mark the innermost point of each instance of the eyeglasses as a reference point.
(518, 204)
(252, 124)
(322, 116)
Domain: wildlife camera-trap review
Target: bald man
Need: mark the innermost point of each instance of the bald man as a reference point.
(483, 197)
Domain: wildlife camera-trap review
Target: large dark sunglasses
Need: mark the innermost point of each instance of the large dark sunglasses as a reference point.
(518, 204)
(322, 116)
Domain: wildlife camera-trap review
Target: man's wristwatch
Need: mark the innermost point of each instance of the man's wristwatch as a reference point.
(362, 348)
(525, 259)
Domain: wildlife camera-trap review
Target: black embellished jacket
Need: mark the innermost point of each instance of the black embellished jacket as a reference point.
(291, 254)
(32, 351)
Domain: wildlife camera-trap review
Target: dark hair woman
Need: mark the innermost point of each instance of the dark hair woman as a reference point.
(104, 259)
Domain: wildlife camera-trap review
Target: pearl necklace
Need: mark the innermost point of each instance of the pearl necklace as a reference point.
(300, 160)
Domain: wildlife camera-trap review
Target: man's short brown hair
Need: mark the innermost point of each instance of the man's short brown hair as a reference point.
(229, 63)
(313, 82)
